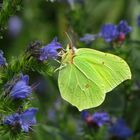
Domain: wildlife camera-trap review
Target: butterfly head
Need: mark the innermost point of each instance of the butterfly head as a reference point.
(68, 56)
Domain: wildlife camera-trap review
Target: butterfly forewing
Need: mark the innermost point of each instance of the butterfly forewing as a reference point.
(110, 68)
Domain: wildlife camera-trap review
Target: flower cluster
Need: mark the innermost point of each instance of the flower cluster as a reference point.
(101, 118)
(117, 128)
(120, 130)
(20, 89)
(110, 32)
(22, 120)
(49, 51)
(14, 26)
(97, 119)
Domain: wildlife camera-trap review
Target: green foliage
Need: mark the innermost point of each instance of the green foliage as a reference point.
(9, 74)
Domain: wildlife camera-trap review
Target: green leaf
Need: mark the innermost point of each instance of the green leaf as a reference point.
(87, 75)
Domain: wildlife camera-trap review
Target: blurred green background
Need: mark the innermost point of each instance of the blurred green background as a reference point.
(43, 20)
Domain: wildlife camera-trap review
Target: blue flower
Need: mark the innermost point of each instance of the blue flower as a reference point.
(101, 118)
(109, 32)
(120, 129)
(123, 30)
(14, 25)
(87, 118)
(28, 119)
(85, 114)
(21, 89)
(123, 27)
(23, 120)
(12, 119)
(2, 59)
(88, 38)
(50, 50)
(98, 119)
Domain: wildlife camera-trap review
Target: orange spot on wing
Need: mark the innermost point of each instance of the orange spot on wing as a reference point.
(87, 86)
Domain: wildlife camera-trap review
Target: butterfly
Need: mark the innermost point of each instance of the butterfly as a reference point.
(87, 75)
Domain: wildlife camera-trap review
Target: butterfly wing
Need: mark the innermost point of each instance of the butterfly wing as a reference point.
(112, 69)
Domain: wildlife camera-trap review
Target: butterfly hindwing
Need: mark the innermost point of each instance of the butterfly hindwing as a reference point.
(79, 89)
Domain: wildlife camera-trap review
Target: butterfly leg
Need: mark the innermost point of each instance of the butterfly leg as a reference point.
(61, 67)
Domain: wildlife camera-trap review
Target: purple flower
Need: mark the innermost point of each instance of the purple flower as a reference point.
(12, 119)
(88, 38)
(87, 118)
(50, 50)
(98, 119)
(21, 89)
(109, 32)
(120, 129)
(85, 114)
(123, 30)
(52, 114)
(28, 119)
(14, 25)
(23, 120)
(138, 20)
(123, 27)
(101, 118)
(2, 59)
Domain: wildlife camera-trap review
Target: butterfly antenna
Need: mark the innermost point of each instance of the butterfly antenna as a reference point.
(35, 85)
(70, 44)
